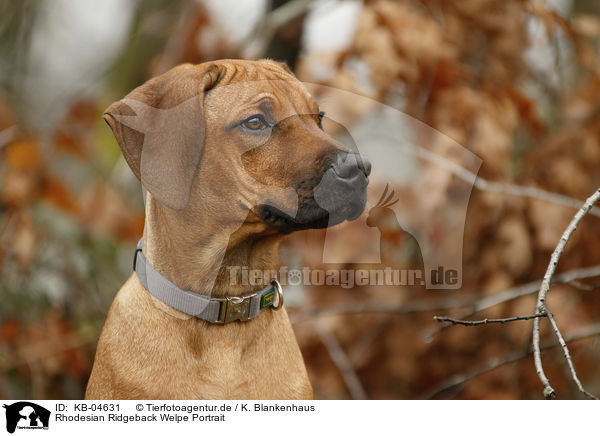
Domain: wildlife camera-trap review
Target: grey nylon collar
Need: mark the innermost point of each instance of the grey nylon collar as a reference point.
(215, 310)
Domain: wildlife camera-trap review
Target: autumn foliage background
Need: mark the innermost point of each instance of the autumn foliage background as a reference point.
(515, 82)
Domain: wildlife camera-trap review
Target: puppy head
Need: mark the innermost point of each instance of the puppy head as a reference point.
(242, 138)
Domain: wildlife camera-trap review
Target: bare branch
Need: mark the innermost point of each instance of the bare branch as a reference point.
(258, 41)
(567, 277)
(174, 48)
(584, 286)
(492, 364)
(567, 355)
(40, 351)
(488, 321)
(531, 192)
(533, 287)
(501, 188)
(370, 307)
(475, 304)
(342, 362)
(541, 304)
(7, 135)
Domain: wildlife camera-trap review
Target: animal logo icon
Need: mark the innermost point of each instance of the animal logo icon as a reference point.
(27, 415)
(398, 247)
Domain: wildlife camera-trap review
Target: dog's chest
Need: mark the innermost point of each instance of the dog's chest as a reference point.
(146, 353)
(275, 371)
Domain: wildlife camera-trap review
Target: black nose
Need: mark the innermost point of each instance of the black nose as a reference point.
(349, 165)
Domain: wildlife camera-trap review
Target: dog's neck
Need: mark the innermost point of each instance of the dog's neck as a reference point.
(211, 258)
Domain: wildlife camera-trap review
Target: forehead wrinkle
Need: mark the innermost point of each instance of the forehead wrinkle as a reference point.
(267, 96)
(294, 96)
(240, 70)
(252, 72)
(287, 85)
(265, 101)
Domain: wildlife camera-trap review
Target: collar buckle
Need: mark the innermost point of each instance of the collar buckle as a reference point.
(235, 308)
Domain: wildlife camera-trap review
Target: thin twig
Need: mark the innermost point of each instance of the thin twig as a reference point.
(541, 305)
(533, 287)
(7, 135)
(567, 277)
(342, 362)
(39, 352)
(258, 41)
(488, 321)
(372, 307)
(531, 192)
(568, 358)
(175, 45)
(584, 286)
(492, 364)
(475, 304)
(37, 380)
(501, 188)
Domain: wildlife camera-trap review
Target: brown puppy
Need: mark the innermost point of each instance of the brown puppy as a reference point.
(233, 157)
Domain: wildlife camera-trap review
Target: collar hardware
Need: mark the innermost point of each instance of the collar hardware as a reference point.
(234, 308)
(214, 310)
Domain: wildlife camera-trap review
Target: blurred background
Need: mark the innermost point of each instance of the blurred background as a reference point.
(515, 82)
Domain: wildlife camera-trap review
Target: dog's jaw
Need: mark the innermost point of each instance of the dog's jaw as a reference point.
(284, 223)
(311, 215)
(322, 203)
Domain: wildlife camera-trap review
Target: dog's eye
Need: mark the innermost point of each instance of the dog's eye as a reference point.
(255, 122)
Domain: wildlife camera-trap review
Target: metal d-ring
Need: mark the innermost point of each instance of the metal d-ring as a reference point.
(279, 290)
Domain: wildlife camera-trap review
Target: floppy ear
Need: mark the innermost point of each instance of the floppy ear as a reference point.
(160, 129)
